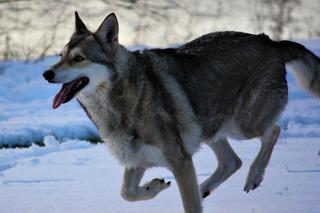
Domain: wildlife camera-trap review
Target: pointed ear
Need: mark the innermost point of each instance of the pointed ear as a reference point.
(108, 30)
(80, 27)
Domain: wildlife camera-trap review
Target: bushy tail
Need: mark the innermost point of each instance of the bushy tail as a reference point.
(305, 64)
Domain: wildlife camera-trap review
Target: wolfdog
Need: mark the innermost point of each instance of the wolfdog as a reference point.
(155, 107)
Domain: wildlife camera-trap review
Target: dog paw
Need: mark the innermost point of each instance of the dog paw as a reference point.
(205, 191)
(156, 185)
(253, 180)
(206, 194)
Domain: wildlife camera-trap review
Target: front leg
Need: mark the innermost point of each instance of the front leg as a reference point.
(184, 173)
(131, 191)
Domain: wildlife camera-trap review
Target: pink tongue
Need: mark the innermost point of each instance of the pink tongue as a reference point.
(62, 95)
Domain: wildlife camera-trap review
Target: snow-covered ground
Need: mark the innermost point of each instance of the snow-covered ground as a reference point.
(74, 177)
(26, 114)
(69, 174)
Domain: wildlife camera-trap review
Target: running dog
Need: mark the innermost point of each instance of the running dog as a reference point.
(155, 107)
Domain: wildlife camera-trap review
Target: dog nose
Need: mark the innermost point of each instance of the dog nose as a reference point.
(48, 75)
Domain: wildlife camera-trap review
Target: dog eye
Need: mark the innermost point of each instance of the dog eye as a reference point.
(78, 58)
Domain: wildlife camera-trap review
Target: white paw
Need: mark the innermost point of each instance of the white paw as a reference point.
(155, 186)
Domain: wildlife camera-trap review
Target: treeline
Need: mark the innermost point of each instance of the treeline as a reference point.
(35, 28)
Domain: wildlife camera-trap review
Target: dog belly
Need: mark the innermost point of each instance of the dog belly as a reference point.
(132, 153)
(230, 129)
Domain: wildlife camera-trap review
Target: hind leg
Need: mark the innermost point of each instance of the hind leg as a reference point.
(259, 108)
(228, 163)
(257, 169)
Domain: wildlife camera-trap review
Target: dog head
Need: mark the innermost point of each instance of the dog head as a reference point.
(86, 61)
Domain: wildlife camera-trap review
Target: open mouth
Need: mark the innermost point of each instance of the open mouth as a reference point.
(69, 90)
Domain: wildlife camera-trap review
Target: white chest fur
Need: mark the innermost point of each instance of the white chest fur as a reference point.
(129, 152)
(132, 153)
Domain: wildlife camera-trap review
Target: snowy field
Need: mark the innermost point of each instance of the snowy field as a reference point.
(79, 177)
(69, 174)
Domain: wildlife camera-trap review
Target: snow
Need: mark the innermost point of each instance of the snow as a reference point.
(69, 174)
(26, 114)
(79, 178)
(9, 157)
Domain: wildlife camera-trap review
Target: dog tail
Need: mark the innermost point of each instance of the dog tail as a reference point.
(305, 64)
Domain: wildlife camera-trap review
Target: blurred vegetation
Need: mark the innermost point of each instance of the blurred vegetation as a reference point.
(94, 139)
(36, 28)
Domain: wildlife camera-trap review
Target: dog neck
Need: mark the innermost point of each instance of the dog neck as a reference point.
(112, 103)
(95, 104)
